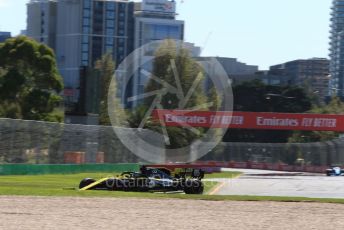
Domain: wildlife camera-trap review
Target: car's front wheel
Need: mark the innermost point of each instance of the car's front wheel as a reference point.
(86, 182)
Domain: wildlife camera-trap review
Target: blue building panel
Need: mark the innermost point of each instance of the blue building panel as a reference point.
(336, 86)
(4, 36)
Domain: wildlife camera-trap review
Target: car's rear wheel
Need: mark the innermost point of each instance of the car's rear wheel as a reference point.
(193, 187)
(86, 182)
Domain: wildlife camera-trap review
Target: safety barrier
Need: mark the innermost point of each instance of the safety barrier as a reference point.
(39, 169)
(214, 166)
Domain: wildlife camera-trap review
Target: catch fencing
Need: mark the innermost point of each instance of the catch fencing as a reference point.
(37, 142)
(298, 154)
(34, 142)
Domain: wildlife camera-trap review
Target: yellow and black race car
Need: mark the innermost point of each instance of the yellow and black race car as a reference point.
(150, 179)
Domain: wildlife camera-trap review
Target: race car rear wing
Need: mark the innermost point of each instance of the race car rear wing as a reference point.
(188, 172)
(177, 172)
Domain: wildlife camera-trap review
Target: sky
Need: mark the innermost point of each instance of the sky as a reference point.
(256, 32)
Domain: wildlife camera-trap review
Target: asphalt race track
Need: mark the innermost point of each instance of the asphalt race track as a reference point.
(271, 183)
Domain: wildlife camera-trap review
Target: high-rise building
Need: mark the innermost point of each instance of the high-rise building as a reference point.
(106, 26)
(336, 86)
(236, 71)
(4, 36)
(80, 32)
(273, 78)
(195, 51)
(154, 20)
(310, 73)
(41, 21)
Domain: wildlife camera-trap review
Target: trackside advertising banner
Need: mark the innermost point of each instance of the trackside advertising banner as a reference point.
(251, 120)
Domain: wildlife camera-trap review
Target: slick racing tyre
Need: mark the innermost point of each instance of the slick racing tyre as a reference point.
(193, 187)
(85, 182)
(329, 172)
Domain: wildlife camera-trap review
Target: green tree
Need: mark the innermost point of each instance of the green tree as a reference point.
(215, 99)
(174, 67)
(29, 81)
(135, 117)
(255, 96)
(105, 68)
(172, 61)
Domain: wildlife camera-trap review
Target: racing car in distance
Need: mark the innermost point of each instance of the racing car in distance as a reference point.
(334, 171)
(150, 179)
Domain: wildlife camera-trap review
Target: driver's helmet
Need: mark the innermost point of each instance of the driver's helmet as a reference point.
(337, 170)
(143, 169)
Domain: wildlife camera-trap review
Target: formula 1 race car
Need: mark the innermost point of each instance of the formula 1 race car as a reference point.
(334, 171)
(150, 179)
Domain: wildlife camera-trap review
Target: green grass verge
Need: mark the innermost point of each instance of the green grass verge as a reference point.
(52, 185)
(221, 175)
(209, 186)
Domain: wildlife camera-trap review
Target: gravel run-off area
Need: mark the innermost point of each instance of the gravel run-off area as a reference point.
(115, 213)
